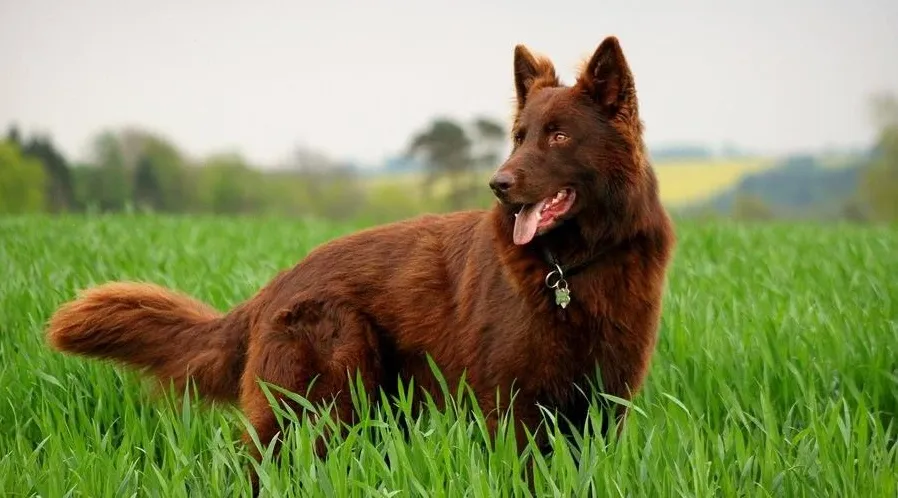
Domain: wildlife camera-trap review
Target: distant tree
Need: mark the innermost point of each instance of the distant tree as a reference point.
(879, 184)
(60, 195)
(108, 185)
(489, 143)
(227, 185)
(134, 166)
(462, 155)
(22, 181)
(147, 191)
(161, 181)
(489, 140)
(14, 136)
(445, 149)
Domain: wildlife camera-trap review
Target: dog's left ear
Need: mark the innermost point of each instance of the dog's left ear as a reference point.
(608, 80)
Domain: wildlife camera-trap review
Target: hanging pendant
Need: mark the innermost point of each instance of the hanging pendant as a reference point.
(562, 292)
(562, 297)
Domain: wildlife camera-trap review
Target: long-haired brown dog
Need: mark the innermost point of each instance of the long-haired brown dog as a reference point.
(563, 275)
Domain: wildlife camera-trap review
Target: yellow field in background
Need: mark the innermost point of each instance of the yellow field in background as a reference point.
(696, 180)
(680, 181)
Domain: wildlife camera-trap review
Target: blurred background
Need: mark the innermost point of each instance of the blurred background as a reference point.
(760, 110)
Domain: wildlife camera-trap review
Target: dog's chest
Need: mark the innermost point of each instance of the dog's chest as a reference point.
(543, 353)
(564, 352)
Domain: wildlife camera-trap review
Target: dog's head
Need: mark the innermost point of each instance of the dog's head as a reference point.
(576, 148)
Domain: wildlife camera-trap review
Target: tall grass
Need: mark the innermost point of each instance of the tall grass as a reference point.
(776, 375)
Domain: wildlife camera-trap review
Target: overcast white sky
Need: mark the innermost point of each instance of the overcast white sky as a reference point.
(355, 79)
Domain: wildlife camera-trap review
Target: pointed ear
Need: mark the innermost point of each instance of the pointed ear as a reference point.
(531, 72)
(608, 80)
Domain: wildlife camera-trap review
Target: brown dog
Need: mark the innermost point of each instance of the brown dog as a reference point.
(565, 274)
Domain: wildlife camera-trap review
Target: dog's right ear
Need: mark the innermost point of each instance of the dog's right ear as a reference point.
(608, 80)
(530, 73)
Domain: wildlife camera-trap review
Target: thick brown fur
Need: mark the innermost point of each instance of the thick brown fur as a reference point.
(452, 286)
(173, 336)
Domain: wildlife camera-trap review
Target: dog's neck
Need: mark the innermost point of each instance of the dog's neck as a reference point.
(568, 245)
(570, 248)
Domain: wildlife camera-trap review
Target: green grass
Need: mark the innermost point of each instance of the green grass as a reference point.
(776, 375)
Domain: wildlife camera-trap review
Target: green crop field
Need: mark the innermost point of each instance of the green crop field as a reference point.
(776, 375)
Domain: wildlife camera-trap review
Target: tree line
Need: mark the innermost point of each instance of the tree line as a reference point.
(879, 184)
(135, 169)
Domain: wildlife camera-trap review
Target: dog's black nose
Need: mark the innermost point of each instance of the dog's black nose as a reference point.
(501, 182)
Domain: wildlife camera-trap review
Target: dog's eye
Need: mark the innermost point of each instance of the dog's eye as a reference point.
(559, 137)
(518, 138)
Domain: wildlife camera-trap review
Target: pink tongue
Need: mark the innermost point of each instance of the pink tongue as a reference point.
(525, 223)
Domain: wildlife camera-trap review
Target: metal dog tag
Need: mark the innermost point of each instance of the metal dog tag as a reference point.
(562, 296)
(562, 292)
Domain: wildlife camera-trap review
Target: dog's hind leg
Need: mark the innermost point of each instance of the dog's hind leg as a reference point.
(314, 349)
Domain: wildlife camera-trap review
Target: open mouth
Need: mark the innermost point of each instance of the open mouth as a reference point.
(538, 218)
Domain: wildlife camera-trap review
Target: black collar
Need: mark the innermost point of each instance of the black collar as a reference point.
(558, 273)
(567, 270)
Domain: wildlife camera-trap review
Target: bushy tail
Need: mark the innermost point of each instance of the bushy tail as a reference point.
(173, 336)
